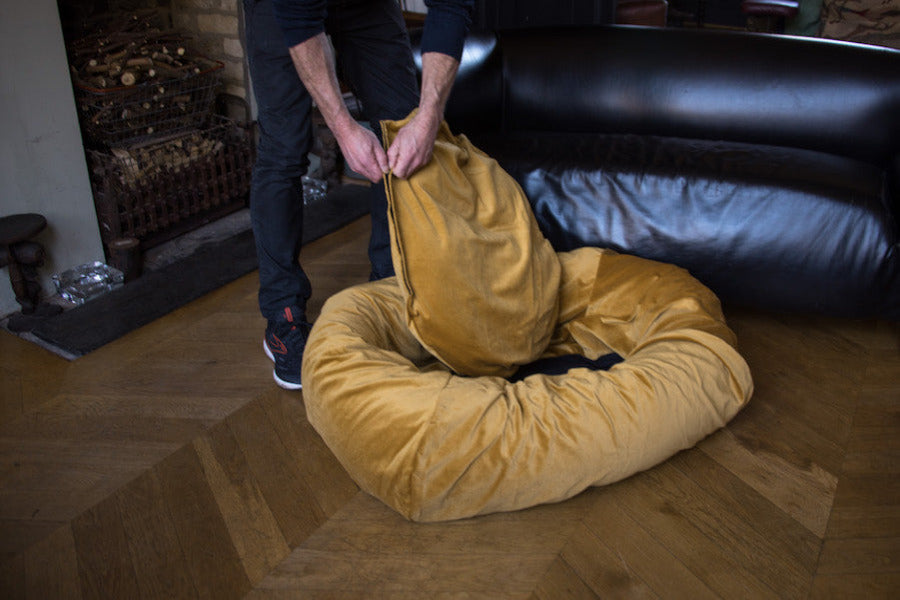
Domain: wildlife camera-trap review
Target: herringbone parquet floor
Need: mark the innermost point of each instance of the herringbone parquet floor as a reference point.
(168, 465)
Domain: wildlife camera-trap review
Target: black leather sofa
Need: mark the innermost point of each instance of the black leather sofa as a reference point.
(768, 166)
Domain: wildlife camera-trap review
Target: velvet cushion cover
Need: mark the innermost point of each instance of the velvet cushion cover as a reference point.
(479, 278)
(435, 446)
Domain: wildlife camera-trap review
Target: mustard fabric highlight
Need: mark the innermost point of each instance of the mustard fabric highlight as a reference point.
(437, 446)
(480, 282)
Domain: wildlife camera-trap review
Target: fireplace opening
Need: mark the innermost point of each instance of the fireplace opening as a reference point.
(161, 96)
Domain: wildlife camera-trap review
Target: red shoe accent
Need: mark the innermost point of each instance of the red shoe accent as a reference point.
(289, 315)
(276, 345)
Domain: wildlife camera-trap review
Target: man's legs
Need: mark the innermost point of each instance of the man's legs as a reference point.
(375, 59)
(276, 193)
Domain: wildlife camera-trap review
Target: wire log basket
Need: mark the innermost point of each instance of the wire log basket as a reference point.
(166, 187)
(132, 114)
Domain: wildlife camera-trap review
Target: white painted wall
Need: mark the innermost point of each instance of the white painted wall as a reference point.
(42, 163)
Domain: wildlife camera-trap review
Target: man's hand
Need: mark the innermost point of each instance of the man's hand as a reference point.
(362, 151)
(413, 145)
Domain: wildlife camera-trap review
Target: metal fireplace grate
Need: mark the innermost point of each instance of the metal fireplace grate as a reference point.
(156, 191)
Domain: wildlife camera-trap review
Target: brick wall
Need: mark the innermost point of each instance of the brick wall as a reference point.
(215, 25)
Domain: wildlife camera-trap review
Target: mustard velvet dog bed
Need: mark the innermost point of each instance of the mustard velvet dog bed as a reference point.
(437, 445)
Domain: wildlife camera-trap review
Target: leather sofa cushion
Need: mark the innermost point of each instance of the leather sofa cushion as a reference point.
(797, 224)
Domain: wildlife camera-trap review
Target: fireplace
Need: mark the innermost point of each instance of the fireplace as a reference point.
(161, 97)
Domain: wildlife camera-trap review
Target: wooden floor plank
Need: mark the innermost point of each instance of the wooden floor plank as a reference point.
(275, 470)
(31, 513)
(208, 409)
(328, 482)
(21, 534)
(706, 542)
(867, 489)
(308, 573)
(865, 520)
(253, 528)
(869, 586)
(602, 569)
(159, 561)
(51, 567)
(364, 507)
(804, 380)
(860, 556)
(805, 491)
(868, 499)
(65, 424)
(12, 390)
(500, 535)
(561, 582)
(741, 535)
(12, 576)
(105, 565)
(791, 540)
(212, 560)
(368, 546)
(29, 376)
(635, 546)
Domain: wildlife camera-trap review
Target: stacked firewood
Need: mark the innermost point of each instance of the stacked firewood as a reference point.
(135, 79)
(130, 50)
(165, 158)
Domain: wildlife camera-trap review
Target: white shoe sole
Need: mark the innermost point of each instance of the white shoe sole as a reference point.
(281, 382)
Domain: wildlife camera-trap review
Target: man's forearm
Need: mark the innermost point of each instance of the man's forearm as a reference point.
(438, 74)
(314, 61)
(413, 145)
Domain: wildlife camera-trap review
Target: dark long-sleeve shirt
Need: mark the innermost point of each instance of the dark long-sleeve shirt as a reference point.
(446, 23)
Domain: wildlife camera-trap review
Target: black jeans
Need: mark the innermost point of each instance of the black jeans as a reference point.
(374, 59)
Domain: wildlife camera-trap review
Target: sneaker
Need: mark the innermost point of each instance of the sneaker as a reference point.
(284, 344)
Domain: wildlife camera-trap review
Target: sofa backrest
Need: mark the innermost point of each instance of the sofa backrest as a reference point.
(476, 100)
(807, 93)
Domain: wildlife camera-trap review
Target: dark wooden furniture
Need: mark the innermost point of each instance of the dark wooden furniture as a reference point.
(22, 256)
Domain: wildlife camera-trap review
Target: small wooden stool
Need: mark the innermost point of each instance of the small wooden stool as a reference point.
(22, 256)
